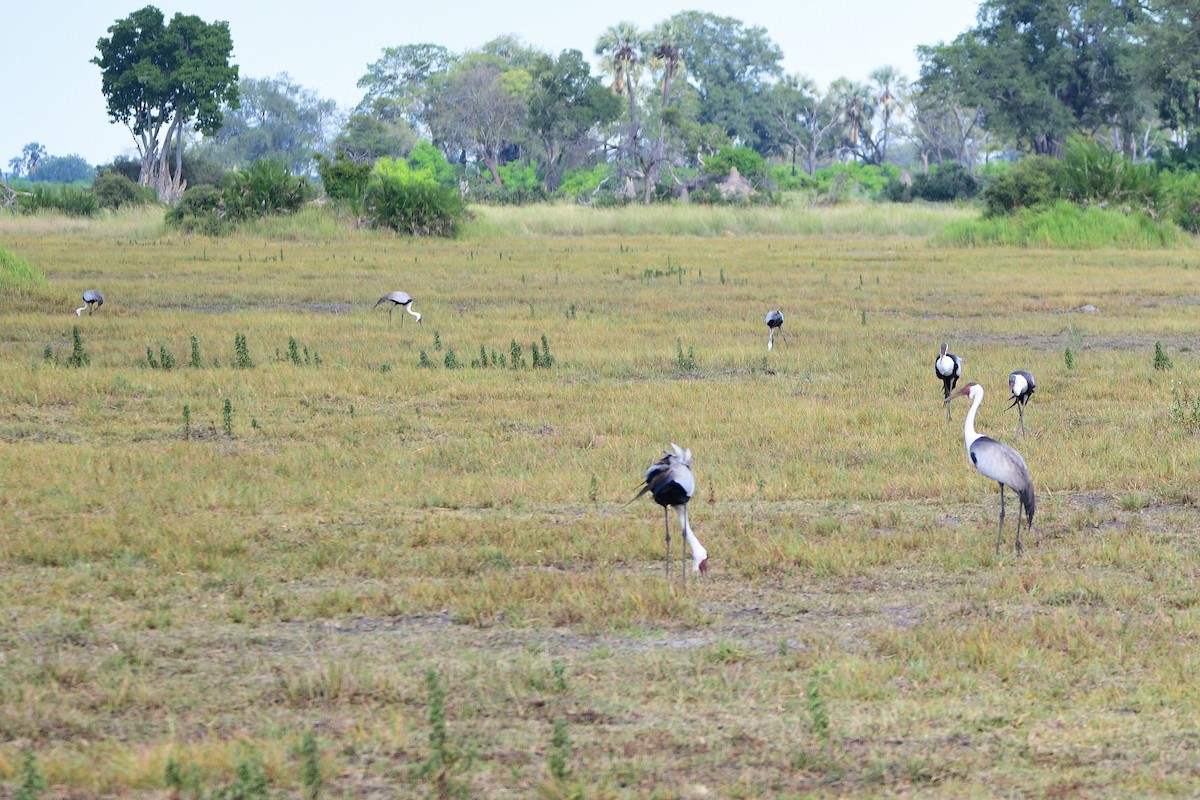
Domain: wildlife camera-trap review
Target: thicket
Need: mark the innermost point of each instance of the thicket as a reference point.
(266, 188)
(114, 190)
(396, 193)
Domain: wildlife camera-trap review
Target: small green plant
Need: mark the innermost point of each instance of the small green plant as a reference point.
(48, 356)
(294, 351)
(864, 317)
(173, 776)
(684, 363)
(195, 359)
(187, 421)
(31, 783)
(1185, 408)
(547, 359)
(249, 782)
(560, 750)
(1161, 359)
(483, 357)
(150, 359)
(1069, 358)
(444, 759)
(242, 352)
(165, 358)
(437, 340)
(425, 361)
(818, 714)
(514, 355)
(227, 416)
(79, 356)
(560, 676)
(310, 767)
(594, 490)
(451, 360)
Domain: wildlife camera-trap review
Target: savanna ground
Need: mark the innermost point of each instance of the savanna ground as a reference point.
(178, 601)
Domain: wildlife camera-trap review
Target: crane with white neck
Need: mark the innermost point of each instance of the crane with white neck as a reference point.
(671, 483)
(398, 299)
(948, 367)
(997, 461)
(1020, 389)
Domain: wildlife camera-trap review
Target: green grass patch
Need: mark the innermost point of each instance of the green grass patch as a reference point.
(18, 275)
(1064, 225)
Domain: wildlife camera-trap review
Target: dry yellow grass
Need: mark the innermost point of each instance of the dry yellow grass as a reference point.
(193, 597)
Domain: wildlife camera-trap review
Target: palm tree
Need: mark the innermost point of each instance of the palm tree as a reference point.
(622, 47)
(889, 85)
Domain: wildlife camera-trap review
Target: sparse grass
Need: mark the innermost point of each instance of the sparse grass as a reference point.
(191, 605)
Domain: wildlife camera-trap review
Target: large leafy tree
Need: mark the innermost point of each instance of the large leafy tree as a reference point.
(397, 85)
(567, 107)
(480, 110)
(1039, 70)
(1172, 36)
(803, 121)
(276, 119)
(158, 79)
(731, 66)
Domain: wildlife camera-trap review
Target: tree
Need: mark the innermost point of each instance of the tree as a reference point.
(567, 104)
(804, 120)
(275, 119)
(731, 67)
(1172, 39)
(480, 110)
(365, 138)
(63, 169)
(27, 162)
(1039, 71)
(621, 49)
(398, 83)
(158, 78)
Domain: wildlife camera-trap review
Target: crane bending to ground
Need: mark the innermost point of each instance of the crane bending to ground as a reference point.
(997, 461)
(1020, 389)
(948, 367)
(398, 299)
(774, 323)
(671, 483)
(92, 299)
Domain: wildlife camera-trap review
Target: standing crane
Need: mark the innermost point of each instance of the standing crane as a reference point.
(1020, 389)
(948, 367)
(774, 323)
(997, 461)
(398, 299)
(92, 299)
(671, 483)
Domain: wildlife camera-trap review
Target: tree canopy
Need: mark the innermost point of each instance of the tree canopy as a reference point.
(158, 78)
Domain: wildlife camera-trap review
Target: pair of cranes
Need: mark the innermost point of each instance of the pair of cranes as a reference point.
(92, 299)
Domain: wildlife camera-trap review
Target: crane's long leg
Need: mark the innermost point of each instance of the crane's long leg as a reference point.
(771, 339)
(1020, 508)
(1000, 535)
(946, 395)
(1021, 423)
(667, 525)
(683, 547)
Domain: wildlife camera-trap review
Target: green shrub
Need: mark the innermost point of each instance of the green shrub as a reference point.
(945, 183)
(1181, 199)
(265, 188)
(200, 210)
(749, 163)
(427, 158)
(343, 178)
(70, 200)
(1030, 182)
(1093, 174)
(414, 207)
(113, 190)
(583, 182)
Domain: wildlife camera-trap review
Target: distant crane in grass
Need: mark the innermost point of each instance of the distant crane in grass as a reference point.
(774, 323)
(1020, 389)
(948, 367)
(92, 299)
(671, 483)
(997, 461)
(398, 299)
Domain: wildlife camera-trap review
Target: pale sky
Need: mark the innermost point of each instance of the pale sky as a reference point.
(50, 92)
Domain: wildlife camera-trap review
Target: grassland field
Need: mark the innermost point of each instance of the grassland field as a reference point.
(182, 601)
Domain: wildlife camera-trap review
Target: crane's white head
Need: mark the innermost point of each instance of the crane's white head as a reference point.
(79, 311)
(945, 347)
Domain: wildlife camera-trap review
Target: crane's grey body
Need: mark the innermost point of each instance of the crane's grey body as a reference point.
(999, 462)
(1020, 388)
(398, 299)
(671, 483)
(948, 367)
(774, 323)
(92, 299)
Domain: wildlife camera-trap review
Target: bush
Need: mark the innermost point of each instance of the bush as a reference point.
(70, 200)
(200, 210)
(343, 179)
(114, 190)
(789, 179)
(1181, 199)
(265, 188)
(415, 207)
(1028, 183)
(582, 183)
(1092, 174)
(18, 275)
(427, 158)
(944, 184)
(845, 181)
(750, 164)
